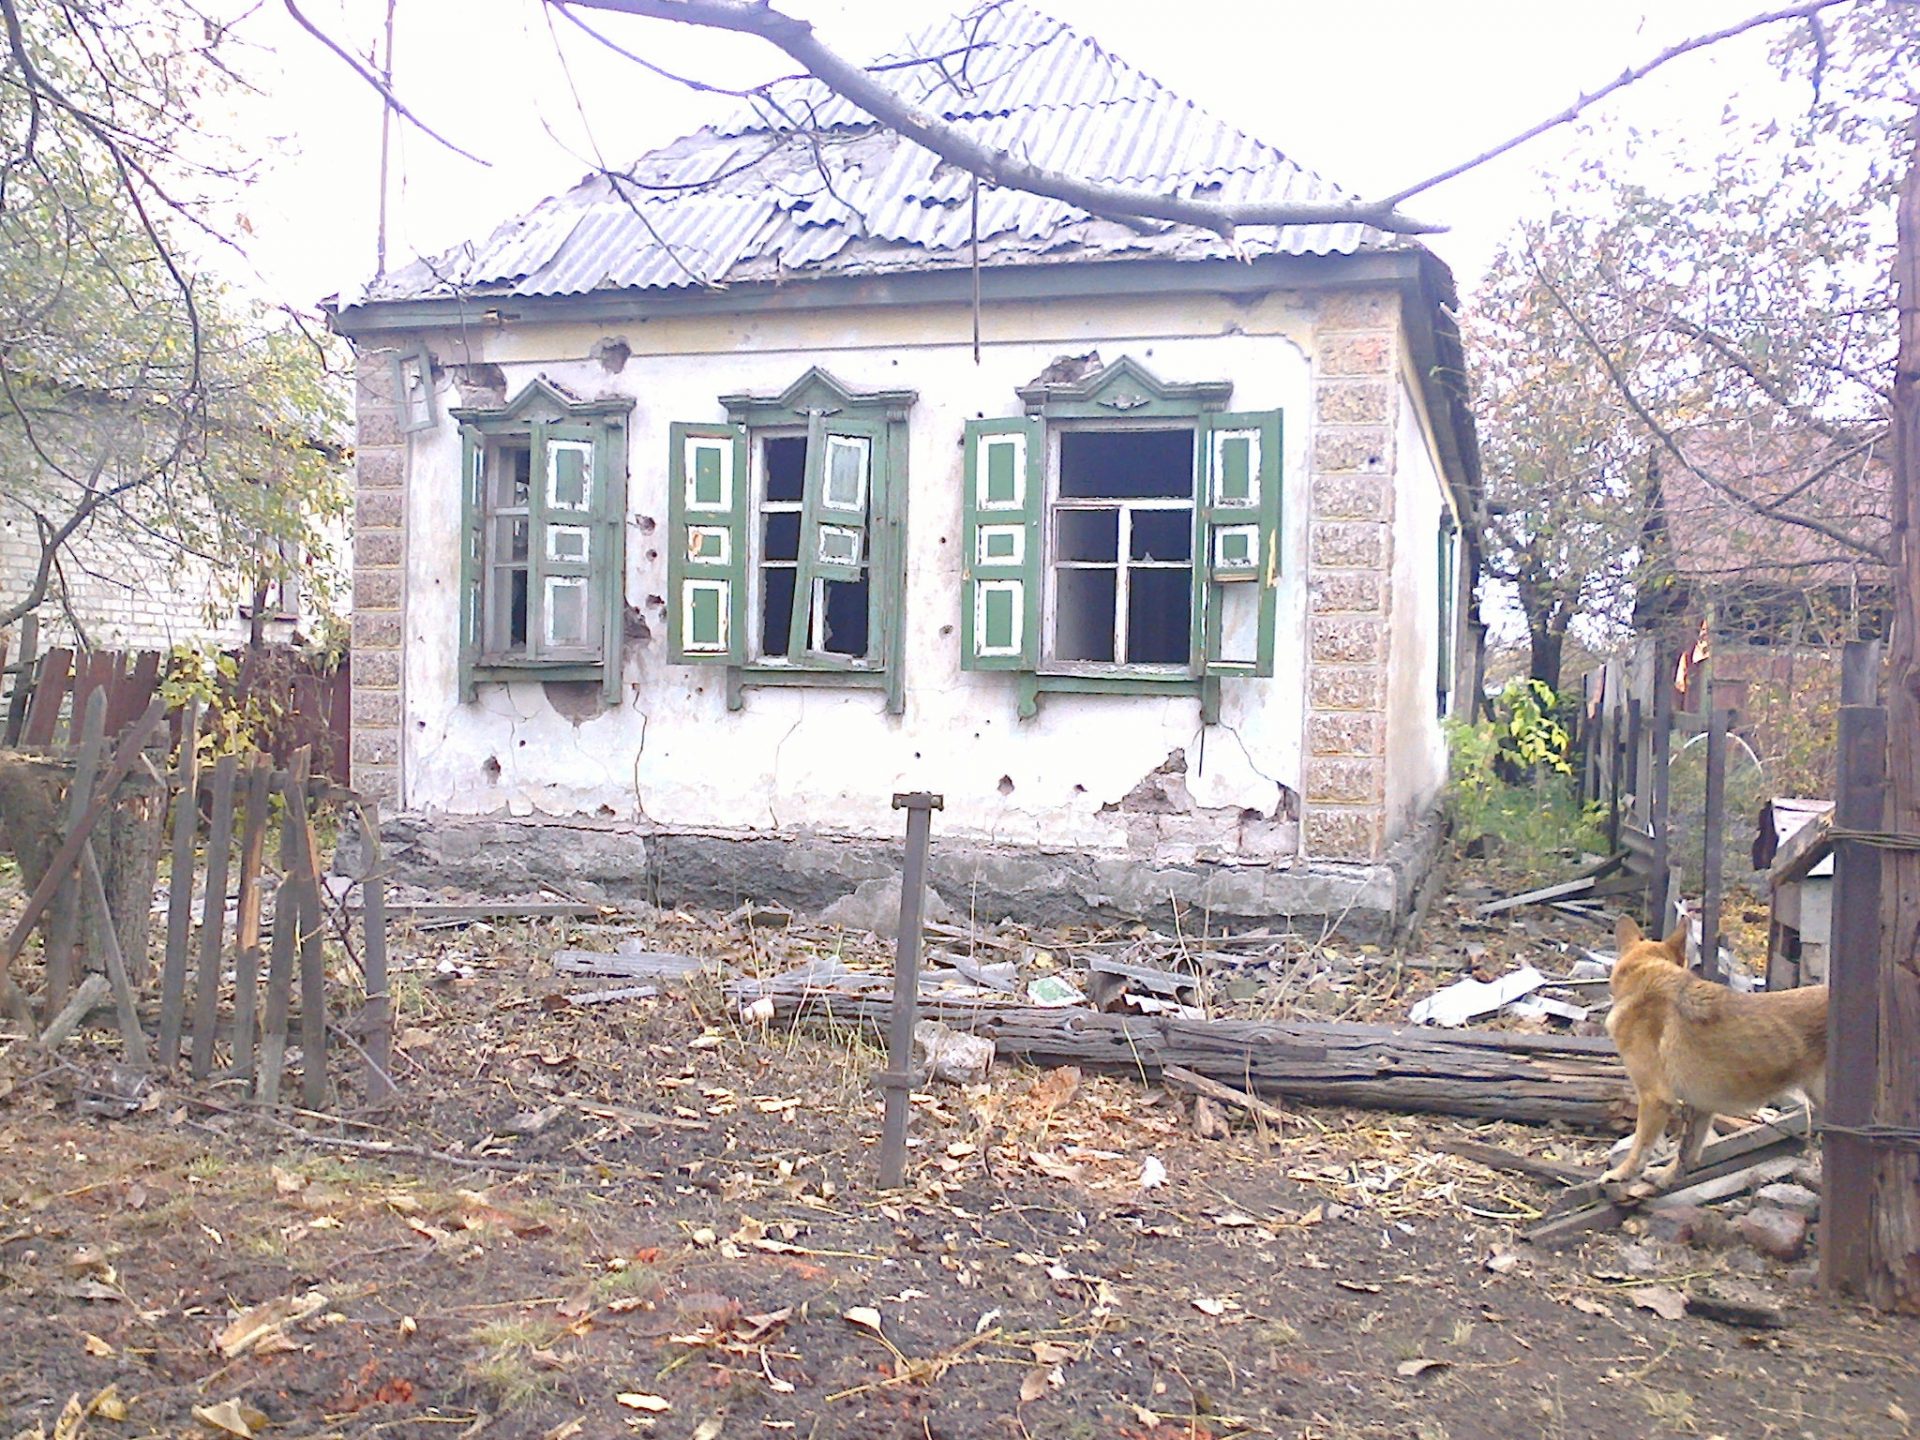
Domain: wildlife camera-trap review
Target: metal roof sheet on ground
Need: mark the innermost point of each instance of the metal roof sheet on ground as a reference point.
(746, 201)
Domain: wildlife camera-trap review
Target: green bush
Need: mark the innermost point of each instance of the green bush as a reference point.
(1511, 781)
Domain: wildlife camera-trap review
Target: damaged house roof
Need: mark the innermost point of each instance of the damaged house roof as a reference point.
(756, 199)
(1716, 507)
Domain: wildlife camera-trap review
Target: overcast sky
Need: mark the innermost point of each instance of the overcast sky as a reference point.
(1373, 94)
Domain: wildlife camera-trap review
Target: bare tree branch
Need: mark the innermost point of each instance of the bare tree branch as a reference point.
(1587, 101)
(998, 167)
(380, 86)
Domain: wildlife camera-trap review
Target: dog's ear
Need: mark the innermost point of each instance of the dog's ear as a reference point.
(1625, 934)
(1676, 942)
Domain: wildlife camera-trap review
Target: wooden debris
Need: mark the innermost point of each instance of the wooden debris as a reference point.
(647, 965)
(1734, 1182)
(1574, 1080)
(1185, 1079)
(619, 992)
(1755, 1313)
(1581, 1210)
(1548, 1172)
(79, 1005)
(1208, 1122)
(1111, 979)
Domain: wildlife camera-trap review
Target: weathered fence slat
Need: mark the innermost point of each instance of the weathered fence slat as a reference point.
(186, 821)
(213, 918)
(106, 941)
(23, 669)
(64, 924)
(313, 973)
(49, 689)
(246, 935)
(68, 855)
(273, 1030)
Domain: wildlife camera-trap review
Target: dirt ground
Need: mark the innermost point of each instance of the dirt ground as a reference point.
(645, 1217)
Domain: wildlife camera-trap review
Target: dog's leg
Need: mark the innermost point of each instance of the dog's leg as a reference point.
(1692, 1141)
(1653, 1122)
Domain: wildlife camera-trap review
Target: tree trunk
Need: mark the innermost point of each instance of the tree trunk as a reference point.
(1893, 1277)
(1545, 644)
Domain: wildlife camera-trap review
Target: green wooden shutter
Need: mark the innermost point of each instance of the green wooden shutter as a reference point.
(1240, 534)
(707, 561)
(844, 462)
(473, 455)
(1001, 538)
(566, 614)
(610, 565)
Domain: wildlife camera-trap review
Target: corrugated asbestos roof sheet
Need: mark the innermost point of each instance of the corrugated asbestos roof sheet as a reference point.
(750, 199)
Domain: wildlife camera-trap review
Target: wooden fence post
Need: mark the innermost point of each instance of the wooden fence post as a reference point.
(1853, 981)
(186, 822)
(1660, 897)
(1714, 839)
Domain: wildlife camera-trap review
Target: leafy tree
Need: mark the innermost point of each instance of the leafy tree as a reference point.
(144, 410)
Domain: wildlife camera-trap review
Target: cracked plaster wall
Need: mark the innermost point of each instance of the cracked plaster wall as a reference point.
(823, 761)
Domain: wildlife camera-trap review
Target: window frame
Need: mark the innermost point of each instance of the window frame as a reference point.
(821, 408)
(548, 422)
(1120, 396)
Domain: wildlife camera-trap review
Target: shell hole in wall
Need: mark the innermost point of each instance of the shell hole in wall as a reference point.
(1079, 789)
(1006, 785)
(646, 523)
(653, 554)
(658, 601)
(490, 767)
(612, 353)
(577, 700)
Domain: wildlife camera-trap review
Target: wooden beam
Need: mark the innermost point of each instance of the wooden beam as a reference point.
(1541, 1079)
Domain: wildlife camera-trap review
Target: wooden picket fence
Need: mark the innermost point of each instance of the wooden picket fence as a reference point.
(244, 1028)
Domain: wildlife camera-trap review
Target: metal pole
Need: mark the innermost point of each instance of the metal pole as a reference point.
(897, 1081)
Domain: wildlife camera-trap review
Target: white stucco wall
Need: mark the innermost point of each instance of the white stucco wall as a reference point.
(830, 761)
(1416, 744)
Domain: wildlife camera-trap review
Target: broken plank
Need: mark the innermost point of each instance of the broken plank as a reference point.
(1732, 1310)
(647, 965)
(1716, 1157)
(213, 918)
(619, 992)
(91, 992)
(1225, 1094)
(1593, 884)
(1734, 1182)
(480, 911)
(1550, 1172)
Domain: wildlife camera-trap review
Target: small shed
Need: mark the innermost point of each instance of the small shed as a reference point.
(1794, 846)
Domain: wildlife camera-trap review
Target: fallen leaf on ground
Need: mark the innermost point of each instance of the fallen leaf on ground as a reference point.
(287, 1182)
(1045, 1352)
(1207, 1305)
(708, 1428)
(108, 1405)
(231, 1417)
(1153, 1173)
(565, 1430)
(1408, 1369)
(863, 1315)
(1588, 1306)
(254, 1328)
(652, 1404)
(1358, 1286)
(96, 1346)
(1039, 1380)
(1665, 1301)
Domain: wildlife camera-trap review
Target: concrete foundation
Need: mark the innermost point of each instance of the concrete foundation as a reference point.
(806, 871)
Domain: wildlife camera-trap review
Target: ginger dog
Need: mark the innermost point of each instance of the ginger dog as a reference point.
(1688, 1041)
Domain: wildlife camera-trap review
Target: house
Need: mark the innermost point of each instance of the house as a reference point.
(703, 508)
(1750, 594)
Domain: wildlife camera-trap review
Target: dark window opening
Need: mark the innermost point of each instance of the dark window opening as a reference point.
(1122, 547)
(847, 611)
(1126, 464)
(837, 613)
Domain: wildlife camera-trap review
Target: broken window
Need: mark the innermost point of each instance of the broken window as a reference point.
(1123, 534)
(787, 562)
(543, 555)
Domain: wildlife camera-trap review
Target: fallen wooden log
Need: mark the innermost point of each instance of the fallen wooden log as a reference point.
(1541, 1079)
